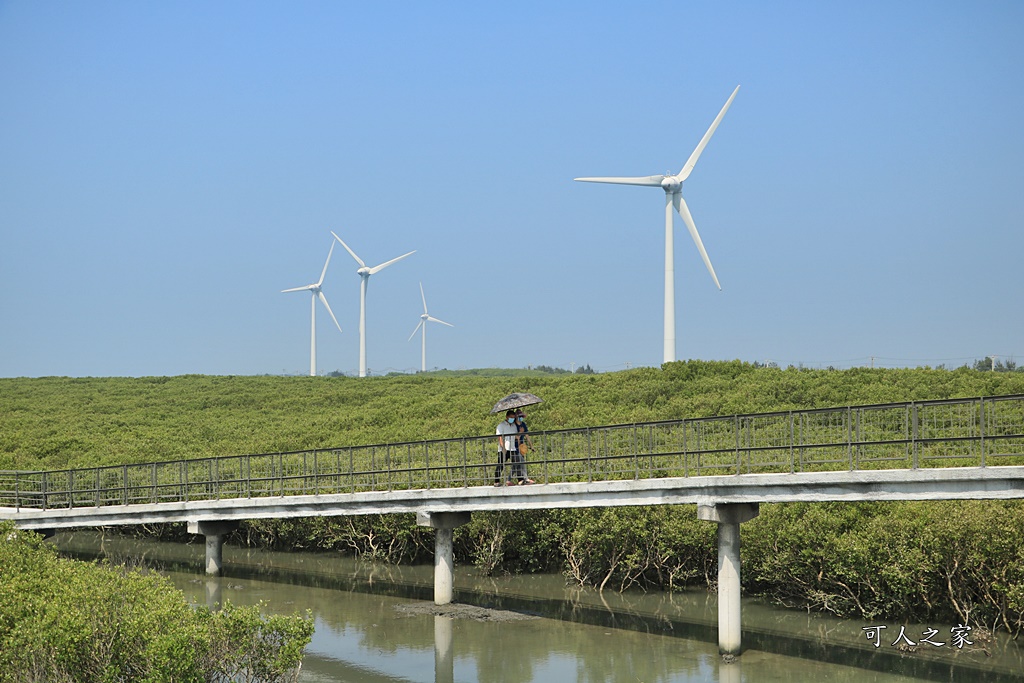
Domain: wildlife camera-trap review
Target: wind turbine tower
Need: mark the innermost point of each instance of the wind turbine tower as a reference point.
(672, 185)
(317, 292)
(424, 319)
(364, 273)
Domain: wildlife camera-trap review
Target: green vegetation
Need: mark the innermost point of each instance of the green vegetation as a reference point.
(939, 561)
(68, 621)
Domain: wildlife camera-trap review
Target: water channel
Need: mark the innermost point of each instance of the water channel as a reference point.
(377, 623)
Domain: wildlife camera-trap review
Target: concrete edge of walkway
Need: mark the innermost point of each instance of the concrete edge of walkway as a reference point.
(924, 484)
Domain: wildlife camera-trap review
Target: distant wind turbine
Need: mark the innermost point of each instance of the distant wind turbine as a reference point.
(672, 184)
(317, 293)
(364, 273)
(424, 319)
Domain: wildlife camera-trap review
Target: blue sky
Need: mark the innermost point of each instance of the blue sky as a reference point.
(166, 169)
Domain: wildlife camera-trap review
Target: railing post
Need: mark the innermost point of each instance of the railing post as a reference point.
(849, 437)
(465, 458)
(545, 448)
(155, 498)
(71, 489)
(316, 474)
(792, 451)
(337, 470)
(913, 434)
(124, 483)
(803, 417)
(738, 432)
(981, 427)
(860, 436)
(686, 459)
(590, 472)
(636, 456)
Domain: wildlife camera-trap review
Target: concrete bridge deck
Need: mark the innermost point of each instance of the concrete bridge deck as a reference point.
(959, 483)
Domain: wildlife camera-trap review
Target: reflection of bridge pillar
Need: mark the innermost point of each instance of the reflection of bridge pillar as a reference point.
(214, 591)
(444, 556)
(214, 533)
(729, 517)
(730, 672)
(444, 663)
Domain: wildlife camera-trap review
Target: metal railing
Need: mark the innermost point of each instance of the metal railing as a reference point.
(949, 433)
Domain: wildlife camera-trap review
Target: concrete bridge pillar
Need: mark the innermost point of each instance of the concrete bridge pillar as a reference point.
(214, 533)
(444, 556)
(729, 516)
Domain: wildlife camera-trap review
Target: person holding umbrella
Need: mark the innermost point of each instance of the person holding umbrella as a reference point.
(511, 436)
(508, 446)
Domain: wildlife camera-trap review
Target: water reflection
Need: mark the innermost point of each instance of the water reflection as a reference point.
(444, 663)
(368, 630)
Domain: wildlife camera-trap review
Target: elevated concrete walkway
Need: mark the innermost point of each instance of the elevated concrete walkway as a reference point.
(922, 484)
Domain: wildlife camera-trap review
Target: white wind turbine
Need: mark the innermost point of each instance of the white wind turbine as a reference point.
(317, 293)
(424, 319)
(364, 273)
(672, 184)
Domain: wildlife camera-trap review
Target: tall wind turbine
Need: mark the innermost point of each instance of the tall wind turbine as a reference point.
(672, 185)
(424, 319)
(364, 273)
(317, 293)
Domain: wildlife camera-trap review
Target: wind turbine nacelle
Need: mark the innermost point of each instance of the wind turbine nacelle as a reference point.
(671, 185)
(363, 272)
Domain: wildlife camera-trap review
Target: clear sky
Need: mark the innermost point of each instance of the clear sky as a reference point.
(166, 169)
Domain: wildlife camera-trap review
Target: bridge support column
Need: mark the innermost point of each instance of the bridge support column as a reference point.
(214, 533)
(729, 517)
(444, 556)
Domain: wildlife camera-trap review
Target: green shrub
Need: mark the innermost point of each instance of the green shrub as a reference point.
(63, 620)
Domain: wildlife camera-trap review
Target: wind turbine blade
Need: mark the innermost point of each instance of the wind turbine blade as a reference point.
(439, 321)
(648, 180)
(692, 161)
(377, 269)
(323, 300)
(324, 271)
(424, 297)
(358, 260)
(684, 211)
(296, 289)
(415, 330)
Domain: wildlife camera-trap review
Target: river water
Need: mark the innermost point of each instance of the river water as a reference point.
(377, 624)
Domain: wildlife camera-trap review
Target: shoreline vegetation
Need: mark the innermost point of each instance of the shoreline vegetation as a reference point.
(64, 620)
(950, 561)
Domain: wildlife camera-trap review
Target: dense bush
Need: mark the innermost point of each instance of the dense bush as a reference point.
(68, 621)
(944, 560)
